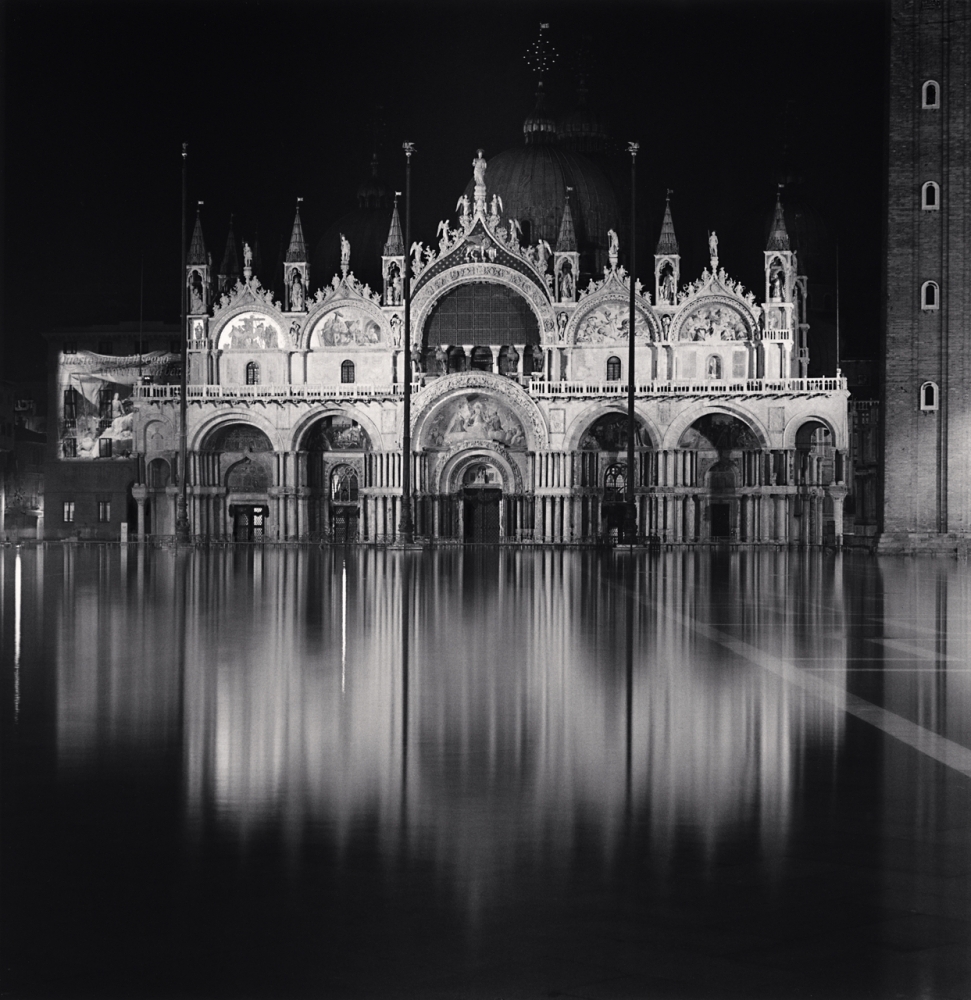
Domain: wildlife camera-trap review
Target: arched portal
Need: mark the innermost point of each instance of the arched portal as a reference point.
(720, 455)
(603, 472)
(335, 449)
(238, 457)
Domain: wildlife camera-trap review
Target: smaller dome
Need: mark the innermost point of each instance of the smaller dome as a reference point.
(371, 192)
(540, 126)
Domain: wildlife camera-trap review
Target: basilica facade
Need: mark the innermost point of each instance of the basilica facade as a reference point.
(519, 383)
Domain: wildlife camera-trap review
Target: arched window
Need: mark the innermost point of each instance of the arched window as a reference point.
(930, 297)
(343, 485)
(613, 369)
(930, 196)
(930, 95)
(930, 396)
(252, 373)
(615, 479)
(714, 367)
(347, 371)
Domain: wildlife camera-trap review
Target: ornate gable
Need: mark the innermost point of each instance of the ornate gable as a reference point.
(603, 312)
(345, 313)
(715, 308)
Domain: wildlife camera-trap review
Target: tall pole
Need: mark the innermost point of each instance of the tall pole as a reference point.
(181, 515)
(630, 507)
(407, 526)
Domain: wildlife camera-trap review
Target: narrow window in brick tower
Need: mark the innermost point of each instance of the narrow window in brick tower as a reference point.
(929, 296)
(930, 95)
(930, 196)
(929, 395)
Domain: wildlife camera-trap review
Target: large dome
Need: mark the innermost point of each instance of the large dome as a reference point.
(532, 182)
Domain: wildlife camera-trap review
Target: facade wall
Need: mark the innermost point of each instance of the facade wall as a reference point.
(927, 451)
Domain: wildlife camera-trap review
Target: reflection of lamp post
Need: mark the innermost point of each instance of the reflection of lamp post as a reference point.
(182, 514)
(407, 526)
(630, 508)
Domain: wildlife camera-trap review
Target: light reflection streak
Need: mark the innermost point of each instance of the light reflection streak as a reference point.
(16, 635)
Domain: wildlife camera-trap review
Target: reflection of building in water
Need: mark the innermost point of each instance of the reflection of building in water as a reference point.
(515, 735)
(521, 321)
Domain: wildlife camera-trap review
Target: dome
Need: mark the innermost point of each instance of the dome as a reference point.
(366, 230)
(532, 181)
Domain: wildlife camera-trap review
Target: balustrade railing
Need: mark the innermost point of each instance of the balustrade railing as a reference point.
(535, 387)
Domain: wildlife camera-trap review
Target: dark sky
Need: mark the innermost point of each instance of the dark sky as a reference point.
(277, 100)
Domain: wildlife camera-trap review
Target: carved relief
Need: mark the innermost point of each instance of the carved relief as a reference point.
(250, 331)
(346, 326)
(475, 417)
(610, 323)
(713, 322)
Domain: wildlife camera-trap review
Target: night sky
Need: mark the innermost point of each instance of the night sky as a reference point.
(278, 100)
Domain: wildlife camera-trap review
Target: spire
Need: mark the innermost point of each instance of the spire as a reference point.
(566, 242)
(297, 250)
(540, 126)
(230, 262)
(778, 238)
(197, 246)
(668, 242)
(395, 244)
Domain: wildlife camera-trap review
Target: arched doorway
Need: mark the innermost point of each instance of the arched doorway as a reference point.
(482, 502)
(239, 458)
(336, 449)
(722, 452)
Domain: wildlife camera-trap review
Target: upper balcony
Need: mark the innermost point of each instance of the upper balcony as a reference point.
(538, 388)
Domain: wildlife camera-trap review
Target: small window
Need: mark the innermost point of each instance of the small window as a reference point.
(930, 297)
(613, 369)
(105, 347)
(104, 447)
(252, 373)
(68, 514)
(104, 511)
(931, 95)
(347, 371)
(930, 199)
(343, 485)
(70, 404)
(930, 396)
(713, 368)
(105, 397)
(70, 347)
(69, 447)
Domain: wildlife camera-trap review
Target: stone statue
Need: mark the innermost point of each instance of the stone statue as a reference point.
(247, 256)
(195, 294)
(295, 332)
(444, 232)
(345, 253)
(667, 288)
(495, 210)
(613, 247)
(416, 249)
(713, 245)
(463, 207)
(479, 168)
(296, 292)
(566, 283)
(543, 254)
(561, 320)
(395, 323)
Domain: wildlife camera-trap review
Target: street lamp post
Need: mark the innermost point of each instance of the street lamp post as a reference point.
(181, 513)
(630, 507)
(407, 527)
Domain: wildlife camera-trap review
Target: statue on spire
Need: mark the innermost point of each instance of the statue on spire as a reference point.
(478, 173)
(345, 255)
(713, 250)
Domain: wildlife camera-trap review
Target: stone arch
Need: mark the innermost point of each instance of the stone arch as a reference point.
(700, 408)
(590, 306)
(589, 415)
(158, 473)
(470, 273)
(151, 430)
(203, 432)
(713, 306)
(791, 433)
(247, 477)
(429, 401)
(460, 459)
(300, 431)
(317, 319)
(241, 333)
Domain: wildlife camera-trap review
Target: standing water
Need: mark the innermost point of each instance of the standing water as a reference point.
(484, 774)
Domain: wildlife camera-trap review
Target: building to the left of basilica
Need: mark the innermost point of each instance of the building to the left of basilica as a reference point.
(520, 341)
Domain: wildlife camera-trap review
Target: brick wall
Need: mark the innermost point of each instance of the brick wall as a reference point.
(927, 454)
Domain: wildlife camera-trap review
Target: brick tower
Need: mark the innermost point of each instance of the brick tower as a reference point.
(927, 322)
